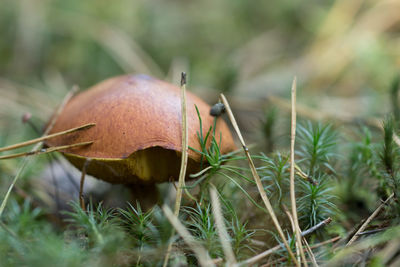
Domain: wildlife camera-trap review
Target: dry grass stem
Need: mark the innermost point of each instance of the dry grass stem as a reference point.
(329, 241)
(201, 253)
(184, 159)
(389, 252)
(36, 147)
(290, 217)
(396, 139)
(66, 99)
(264, 254)
(310, 253)
(219, 222)
(82, 183)
(313, 260)
(44, 150)
(303, 175)
(317, 226)
(260, 256)
(321, 115)
(292, 167)
(370, 218)
(46, 137)
(283, 259)
(370, 232)
(8, 230)
(258, 180)
(125, 51)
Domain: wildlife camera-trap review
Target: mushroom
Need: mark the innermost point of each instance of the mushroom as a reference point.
(137, 137)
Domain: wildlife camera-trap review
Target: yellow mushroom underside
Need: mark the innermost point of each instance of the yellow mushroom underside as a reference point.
(151, 165)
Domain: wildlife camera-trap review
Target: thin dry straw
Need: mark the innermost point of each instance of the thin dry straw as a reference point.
(370, 218)
(315, 114)
(44, 150)
(396, 139)
(82, 183)
(264, 254)
(46, 137)
(184, 159)
(258, 180)
(36, 147)
(293, 230)
(201, 253)
(292, 166)
(313, 260)
(304, 176)
(310, 253)
(219, 222)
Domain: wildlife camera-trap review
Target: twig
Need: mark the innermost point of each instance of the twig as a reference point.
(370, 232)
(292, 164)
(317, 226)
(36, 147)
(44, 150)
(46, 137)
(8, 230)
(370, 218)
(332, 240)
(293, 230)
(310, 253)
(262, 255)
(201, 253)
(312, 257)
(304, 176)
(258, 180)
(219, 222)
(274, 263)
(282, 259)
(84, 168)
(184, 159)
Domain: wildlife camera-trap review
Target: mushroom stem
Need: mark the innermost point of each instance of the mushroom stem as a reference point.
(146, 195)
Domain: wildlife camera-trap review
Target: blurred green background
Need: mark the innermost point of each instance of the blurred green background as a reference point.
(345, 55)
(250, 48)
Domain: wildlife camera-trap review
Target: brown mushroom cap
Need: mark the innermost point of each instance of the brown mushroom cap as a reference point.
(137, 137)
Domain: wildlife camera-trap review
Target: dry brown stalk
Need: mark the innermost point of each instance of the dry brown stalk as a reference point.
(258, 180)
(43, 150)
(310, 253)
(184, 159)
(262, 255)
(219, 222)
(82, 183)
(370, 218)
(36, 147)
(46, 137)
(201, 253)
(297, 230)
